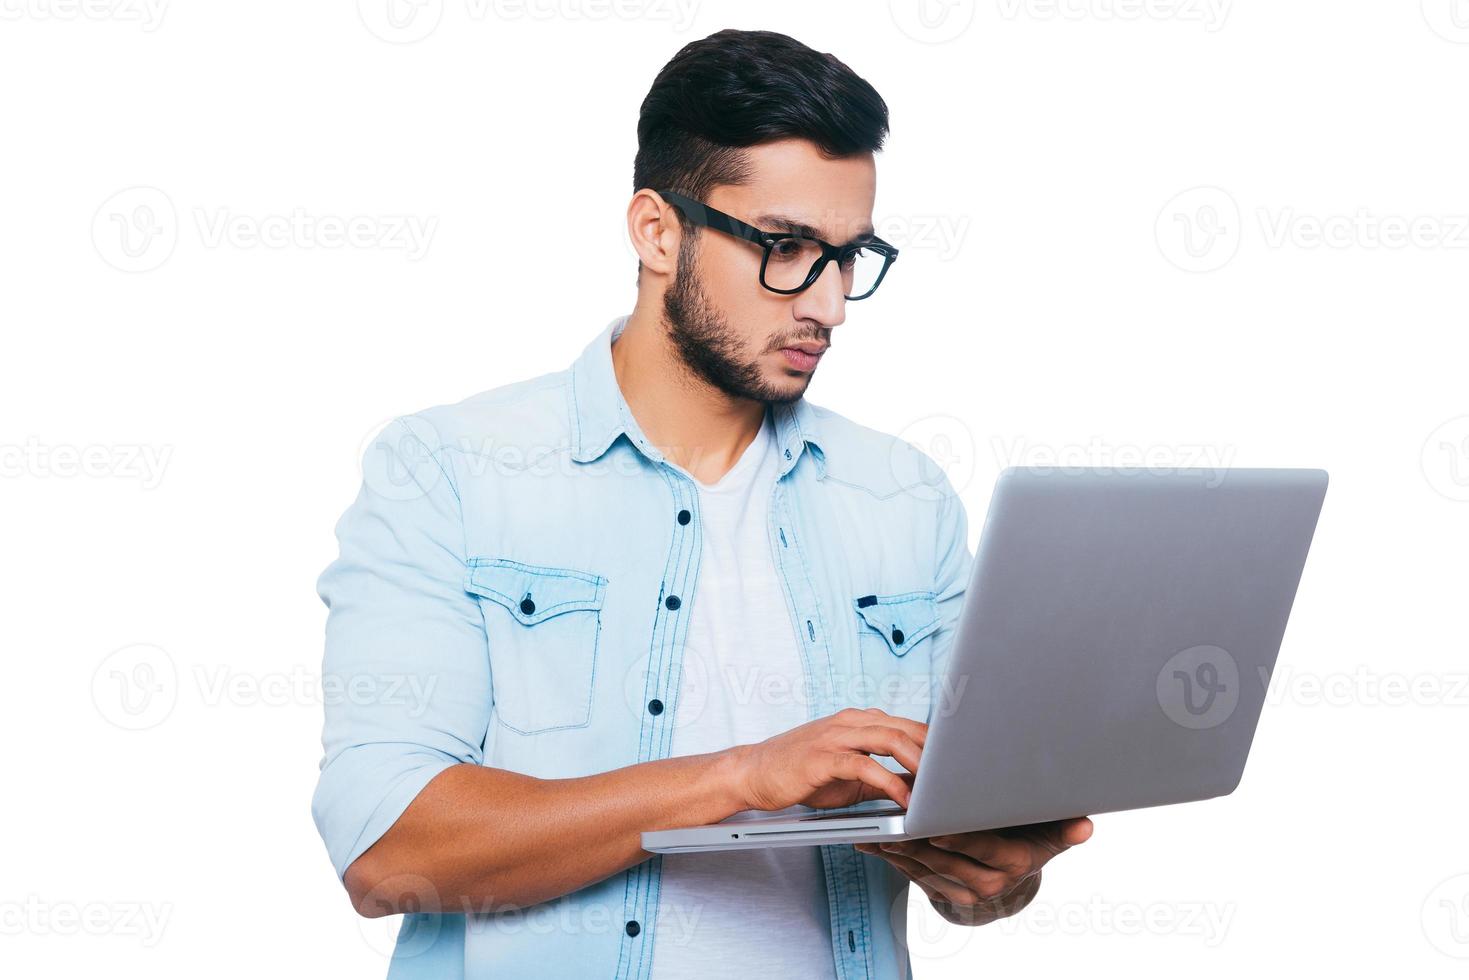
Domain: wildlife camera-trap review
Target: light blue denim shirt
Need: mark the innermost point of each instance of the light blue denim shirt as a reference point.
(513, 590)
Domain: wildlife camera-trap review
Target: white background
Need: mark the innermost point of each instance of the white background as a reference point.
(190, 371)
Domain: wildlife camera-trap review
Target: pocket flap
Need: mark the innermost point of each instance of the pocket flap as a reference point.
(902, 620)
(534, 593)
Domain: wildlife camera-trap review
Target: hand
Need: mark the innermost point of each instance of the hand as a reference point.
(828, 762)
(978, 877)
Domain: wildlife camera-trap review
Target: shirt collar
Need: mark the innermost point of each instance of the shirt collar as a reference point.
(600, 413)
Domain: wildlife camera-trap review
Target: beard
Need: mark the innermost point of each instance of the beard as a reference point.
(706, 343)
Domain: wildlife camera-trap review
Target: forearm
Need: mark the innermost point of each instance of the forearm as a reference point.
(483, 839)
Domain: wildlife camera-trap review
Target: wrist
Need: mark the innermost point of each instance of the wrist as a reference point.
(730, 768)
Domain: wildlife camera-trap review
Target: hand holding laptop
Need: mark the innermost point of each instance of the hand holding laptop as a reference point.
(976, 877)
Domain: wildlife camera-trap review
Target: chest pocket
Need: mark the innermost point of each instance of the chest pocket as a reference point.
(896, 662)
(542, 624)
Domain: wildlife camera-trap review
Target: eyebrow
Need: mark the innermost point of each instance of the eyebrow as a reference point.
(780, 222)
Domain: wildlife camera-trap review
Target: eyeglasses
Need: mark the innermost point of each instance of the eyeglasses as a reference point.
(790, 262)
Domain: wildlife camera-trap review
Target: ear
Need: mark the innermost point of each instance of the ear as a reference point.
(652, 226)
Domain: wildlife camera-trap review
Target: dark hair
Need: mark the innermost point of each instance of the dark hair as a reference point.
(736, 89)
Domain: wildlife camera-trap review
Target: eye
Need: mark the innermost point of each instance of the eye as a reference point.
(786, 248)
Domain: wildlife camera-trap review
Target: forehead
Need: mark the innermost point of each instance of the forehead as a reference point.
(791, 180)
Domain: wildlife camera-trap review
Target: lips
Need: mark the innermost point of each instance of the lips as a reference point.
(802, 359)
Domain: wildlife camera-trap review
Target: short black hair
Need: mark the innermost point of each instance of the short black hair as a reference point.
(736, 89)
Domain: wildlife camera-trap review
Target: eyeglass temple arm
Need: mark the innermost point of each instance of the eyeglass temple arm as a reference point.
(703, 214)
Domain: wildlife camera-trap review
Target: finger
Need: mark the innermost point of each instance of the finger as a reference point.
(868, 793)
(1077, 831)
(1014, 855)
(934, 885)
(865, 769)
(980, 879)
(916, 730)
(1057, 835)
(880, 740)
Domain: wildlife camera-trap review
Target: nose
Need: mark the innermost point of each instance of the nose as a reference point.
(825, 300)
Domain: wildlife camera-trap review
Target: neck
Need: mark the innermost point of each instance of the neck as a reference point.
(695, 425)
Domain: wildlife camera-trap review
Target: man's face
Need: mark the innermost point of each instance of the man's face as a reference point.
(730, 330)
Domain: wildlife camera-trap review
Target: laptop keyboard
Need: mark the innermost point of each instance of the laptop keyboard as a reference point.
(891, 811)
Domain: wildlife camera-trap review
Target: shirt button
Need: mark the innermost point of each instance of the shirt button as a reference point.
(633, 928)
(526, 606)
(672, 602)
(684, 517)
(655, 707)
(897, 637)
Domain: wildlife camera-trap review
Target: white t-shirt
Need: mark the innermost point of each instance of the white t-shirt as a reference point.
(761, 912)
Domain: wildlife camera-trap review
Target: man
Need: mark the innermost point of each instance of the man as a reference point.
(659, 588)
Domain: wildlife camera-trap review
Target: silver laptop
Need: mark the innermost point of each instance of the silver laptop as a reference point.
(1113, 652)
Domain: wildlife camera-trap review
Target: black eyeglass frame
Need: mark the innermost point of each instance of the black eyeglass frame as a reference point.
(702, 214)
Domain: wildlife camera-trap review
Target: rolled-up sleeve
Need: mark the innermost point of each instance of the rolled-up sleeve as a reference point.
(406, 678)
